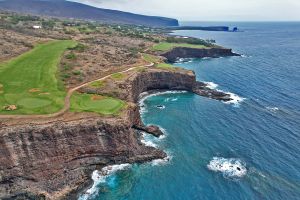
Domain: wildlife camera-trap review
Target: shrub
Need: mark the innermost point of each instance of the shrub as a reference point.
(195, 41)
(77, 72)
(79, 47)
(71, 56)
(65, 76)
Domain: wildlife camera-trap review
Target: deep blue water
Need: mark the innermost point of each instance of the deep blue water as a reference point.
(262, 133)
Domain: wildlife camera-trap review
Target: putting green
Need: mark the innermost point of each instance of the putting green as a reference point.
(34, 69)
(33, 103)
(96, 103)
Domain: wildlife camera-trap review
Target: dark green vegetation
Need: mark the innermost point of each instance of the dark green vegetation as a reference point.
(165, 46)
(29, 81)
(190, 40)
(172, 42)
(96, 103)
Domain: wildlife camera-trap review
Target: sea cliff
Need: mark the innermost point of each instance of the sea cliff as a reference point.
(52, 160)
(185, 52)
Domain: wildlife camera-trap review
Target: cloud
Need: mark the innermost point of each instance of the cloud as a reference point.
(208, 10)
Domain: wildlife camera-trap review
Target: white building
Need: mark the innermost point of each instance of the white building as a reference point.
(37, 27)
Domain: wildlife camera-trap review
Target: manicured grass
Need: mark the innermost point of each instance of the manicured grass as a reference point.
(29, 81)
(96, 103)
(118, 76)
(151, 58)
(165, 46)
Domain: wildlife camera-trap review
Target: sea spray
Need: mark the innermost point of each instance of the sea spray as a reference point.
(236, 100)
(100, 177)
(229, 167)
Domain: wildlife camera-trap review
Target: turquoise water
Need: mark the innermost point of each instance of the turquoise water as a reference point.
(207, 140)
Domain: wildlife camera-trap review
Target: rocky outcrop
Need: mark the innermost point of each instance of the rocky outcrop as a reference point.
(184, 52)
(50, 161)
(55, 160)
(201, 89)
(155, 79)
(153, 130)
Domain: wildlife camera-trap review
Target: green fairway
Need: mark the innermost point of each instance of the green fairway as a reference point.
(165, 46)
(151, 58)
(29, 81)
(96, 103)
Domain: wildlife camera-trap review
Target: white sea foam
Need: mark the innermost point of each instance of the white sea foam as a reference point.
(147, 140)
(211, 85)
(159, 162)
(272, 109)
(146, 95)
(230, 167)
(184, 60)
(236, 100)
(100, 177)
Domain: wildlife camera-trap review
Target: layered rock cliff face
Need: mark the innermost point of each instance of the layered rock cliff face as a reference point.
(161, 80)
(184, 52)
(50, 161)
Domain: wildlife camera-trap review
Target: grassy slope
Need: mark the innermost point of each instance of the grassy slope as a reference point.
(165, 46)
(100, 104)
(151, 58)
(35, 69)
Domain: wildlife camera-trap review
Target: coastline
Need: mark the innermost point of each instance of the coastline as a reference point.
(152, 79)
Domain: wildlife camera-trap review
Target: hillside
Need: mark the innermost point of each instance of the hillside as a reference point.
(66, 9)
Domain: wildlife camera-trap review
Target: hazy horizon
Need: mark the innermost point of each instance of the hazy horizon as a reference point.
(213, 10)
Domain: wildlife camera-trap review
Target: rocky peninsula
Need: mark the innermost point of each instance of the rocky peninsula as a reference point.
(56, 159)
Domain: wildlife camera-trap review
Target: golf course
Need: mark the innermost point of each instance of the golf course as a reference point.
(95, 103)
(29, 85)
(29, 82)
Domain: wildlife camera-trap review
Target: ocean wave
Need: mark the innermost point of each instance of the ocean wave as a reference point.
(229, 167)
(236, 100)
(272, 109)
(146, 95)
(100, 177)
(184, 60)
(147, 140)
(211, 85)
(160, 162)
(170, 99)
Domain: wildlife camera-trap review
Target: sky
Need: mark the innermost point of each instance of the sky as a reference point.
(208, 10)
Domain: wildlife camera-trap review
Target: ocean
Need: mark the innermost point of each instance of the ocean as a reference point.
(242, 150)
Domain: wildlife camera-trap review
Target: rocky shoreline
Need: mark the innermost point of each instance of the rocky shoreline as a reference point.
(55, 160)
(185, 52)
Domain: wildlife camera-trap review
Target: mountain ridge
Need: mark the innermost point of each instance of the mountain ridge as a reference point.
(68, 9)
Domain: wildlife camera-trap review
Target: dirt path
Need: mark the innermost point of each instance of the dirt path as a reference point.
(67, 99)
